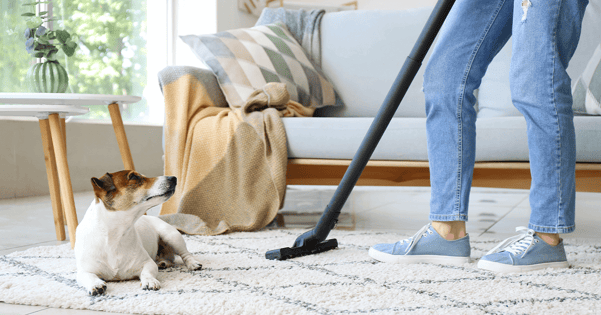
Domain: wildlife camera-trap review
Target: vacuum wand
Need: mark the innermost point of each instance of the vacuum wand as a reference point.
(312, 241)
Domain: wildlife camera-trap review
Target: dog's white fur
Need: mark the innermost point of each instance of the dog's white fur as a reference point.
(116, 241)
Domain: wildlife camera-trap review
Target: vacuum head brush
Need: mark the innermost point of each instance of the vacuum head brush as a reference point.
(291, 252)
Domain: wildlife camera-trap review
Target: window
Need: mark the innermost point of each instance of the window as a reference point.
(122, 45)
(112, 55)
(14, 61)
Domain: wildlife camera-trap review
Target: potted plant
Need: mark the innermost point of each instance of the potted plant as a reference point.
(47, 76)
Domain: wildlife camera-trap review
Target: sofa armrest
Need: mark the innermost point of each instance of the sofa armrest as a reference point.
(205, 76)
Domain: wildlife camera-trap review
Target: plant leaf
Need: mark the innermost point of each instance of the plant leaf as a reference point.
(34, 22)
(69, 51)
(62, 36)
(28, 14)
(40, 31)
(39, 55)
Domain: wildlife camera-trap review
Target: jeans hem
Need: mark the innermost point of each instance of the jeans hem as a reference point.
(552, 229)
(448, 217)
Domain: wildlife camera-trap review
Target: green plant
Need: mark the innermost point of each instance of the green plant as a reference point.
(42, 43)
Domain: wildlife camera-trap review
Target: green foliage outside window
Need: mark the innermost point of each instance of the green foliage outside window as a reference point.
(14, 59)
(110, 59)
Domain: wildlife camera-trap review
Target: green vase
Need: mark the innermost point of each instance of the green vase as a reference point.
(47, 77)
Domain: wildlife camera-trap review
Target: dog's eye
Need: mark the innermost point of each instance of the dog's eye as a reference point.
(133, 176)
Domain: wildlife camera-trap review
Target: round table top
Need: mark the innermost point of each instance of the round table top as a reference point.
(65, 99)
(42, 111)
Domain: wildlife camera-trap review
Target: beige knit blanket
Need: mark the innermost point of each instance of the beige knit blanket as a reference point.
(230, 163)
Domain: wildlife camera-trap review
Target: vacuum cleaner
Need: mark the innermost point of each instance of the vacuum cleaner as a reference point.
(313, 241)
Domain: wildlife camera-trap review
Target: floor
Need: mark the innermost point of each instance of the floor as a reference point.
(493, 212)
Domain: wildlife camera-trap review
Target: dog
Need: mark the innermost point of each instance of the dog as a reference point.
(115, 241)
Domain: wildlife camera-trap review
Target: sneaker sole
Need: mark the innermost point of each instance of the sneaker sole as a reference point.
(504, 268)
(416, 259)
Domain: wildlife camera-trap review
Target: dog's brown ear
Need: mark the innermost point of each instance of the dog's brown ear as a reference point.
(97, 183)
(103, 185)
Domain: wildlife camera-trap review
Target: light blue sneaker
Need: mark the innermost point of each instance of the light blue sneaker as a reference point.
(524, 252)
(426, 246)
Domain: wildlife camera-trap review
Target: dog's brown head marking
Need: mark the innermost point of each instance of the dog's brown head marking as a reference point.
(121, 190)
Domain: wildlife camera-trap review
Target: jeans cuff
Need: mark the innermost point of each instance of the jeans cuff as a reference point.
(448, 217)
(552, 229)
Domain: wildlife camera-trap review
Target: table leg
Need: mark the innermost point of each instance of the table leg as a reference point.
(52, 174)
(63, 176)
(128, 162)
(64, 132)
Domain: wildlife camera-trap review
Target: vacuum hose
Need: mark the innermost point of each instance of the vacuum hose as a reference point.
(389, 106)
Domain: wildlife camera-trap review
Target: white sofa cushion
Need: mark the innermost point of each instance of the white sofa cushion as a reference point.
(498, 138)
(587, 89)
(362, 53)
(494, 96)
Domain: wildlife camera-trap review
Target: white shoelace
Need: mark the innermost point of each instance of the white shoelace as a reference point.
(413, 239)
(519, 244)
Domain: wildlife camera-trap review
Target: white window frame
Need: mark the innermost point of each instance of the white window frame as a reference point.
(171, 10)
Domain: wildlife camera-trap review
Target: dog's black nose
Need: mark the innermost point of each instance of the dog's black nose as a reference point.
(172, 180)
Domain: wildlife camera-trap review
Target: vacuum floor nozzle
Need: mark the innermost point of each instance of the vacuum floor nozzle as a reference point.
(291, 252)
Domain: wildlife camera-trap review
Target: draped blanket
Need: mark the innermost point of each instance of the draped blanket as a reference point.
(230, 162)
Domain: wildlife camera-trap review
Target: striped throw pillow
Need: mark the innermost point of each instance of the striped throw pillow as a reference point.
(587, 90)
(246, 59)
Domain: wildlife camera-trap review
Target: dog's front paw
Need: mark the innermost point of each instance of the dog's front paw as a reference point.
(192, 263)
(98, 288)
(150, 284)
(164, 263)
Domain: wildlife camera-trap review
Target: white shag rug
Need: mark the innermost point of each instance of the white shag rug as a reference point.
(237, 279)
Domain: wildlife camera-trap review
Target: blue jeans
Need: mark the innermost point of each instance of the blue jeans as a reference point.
(544, 40)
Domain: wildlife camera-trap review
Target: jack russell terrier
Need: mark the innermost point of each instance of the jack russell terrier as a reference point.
(116, 241)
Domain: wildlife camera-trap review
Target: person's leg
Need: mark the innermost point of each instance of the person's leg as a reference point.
(545, 36)
(544, 40)
(472, 35)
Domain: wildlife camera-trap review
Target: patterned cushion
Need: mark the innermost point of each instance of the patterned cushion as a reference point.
(587, 90)
(246, 59)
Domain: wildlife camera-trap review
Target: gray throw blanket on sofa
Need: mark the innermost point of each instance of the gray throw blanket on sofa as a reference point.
(304, 26)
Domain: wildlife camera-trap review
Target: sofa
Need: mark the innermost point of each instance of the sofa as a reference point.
(361, 54)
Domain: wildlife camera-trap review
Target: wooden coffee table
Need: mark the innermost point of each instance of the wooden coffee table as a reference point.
(51, 110)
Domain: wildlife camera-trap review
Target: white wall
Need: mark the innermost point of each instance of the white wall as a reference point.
(193, 17)
(92, 150)
(229, 17)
